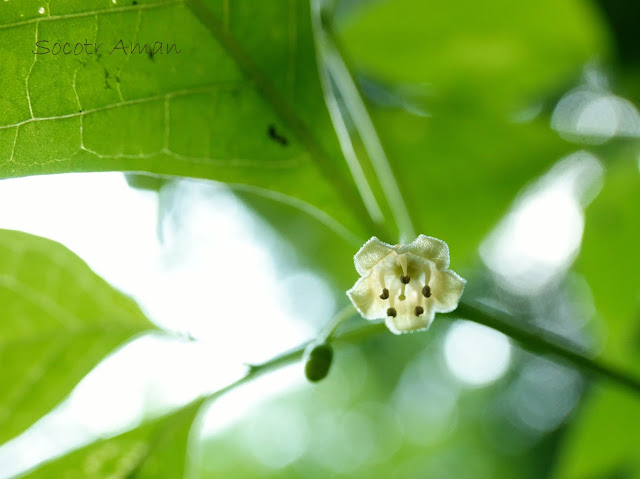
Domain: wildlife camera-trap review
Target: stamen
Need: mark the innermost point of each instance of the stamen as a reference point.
(427, 275)
(392, 312)
(419, 310)
(385, 294)
(426, 291)
(402, 297)
(381, 278)
(402, 259)
(404, 277)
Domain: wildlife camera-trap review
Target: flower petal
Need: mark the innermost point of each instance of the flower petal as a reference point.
(446, 287)
(409, 323)
(370, 254)
(363, 297)
(429, 248)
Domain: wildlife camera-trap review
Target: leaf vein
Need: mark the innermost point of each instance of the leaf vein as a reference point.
(39, 299)
(175, 93)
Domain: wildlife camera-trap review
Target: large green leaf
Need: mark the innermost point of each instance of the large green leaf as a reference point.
(241, 102)
(59, 319)
(156, 450)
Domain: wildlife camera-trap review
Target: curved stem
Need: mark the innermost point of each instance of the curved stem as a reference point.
(355, 105)
(529, 337)
(344, 314)
(339, 125)
(532, 338)
(544, 343)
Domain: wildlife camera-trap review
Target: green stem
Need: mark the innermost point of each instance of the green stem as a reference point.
(353, 98)
(344, 314)
(339, 124)
(544, 343)
(532, 338)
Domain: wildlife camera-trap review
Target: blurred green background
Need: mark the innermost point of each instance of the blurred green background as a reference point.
(512, 132)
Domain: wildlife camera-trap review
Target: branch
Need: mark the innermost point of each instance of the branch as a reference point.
(544, 343)
(531, 338)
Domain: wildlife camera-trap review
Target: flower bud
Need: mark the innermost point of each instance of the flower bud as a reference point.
(318, 362)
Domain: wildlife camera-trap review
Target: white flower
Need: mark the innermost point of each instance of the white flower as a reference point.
(406, 284)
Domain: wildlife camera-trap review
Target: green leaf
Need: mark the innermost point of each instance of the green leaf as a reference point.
(493, 52)
(59, 319)
(155, 450)
(241, 102)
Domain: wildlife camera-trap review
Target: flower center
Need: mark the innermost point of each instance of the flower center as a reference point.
(395, 276)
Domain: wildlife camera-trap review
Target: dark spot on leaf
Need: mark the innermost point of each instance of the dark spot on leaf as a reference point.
(134, 2)
(117, 79)
(277, 137)
(106, 73)
(150, 55)
(79, 111)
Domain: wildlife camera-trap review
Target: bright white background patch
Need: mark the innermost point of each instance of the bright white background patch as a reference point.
(476, 354)
(212, 277)
(539, 238)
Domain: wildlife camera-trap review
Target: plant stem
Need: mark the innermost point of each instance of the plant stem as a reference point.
(344, 314)
(544, 343)
(339, 125)
(532, 338)
(352, 96)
